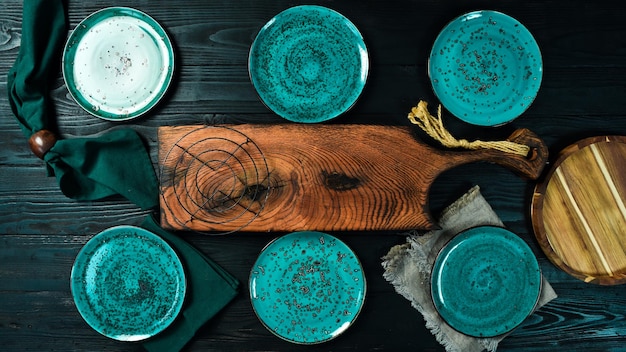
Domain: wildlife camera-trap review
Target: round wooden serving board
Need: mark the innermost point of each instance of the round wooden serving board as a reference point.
(579, 211)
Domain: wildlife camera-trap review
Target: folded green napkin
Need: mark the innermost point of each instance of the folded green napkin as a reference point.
(209, 288)
(86, 168)
(113, 163)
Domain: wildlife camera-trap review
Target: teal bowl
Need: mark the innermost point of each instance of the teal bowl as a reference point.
(485, 68)
(307, 287)
(485, 282)
(308, 64)
(128, 284)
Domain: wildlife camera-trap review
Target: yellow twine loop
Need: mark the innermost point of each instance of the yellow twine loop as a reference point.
(433, 126)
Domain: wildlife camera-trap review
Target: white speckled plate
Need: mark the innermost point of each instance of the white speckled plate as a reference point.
(307, 287)
(118, 63)
(485, 67)
(128, 283)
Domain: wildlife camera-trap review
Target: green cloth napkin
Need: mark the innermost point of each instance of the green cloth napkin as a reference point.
(113, 163)
(86, 168)
(209, 288)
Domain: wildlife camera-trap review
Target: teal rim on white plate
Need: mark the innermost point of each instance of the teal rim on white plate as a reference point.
(308, 64)
(485, 281)
(128, 284)
(486, 68)
(307, 287)
(118, 63)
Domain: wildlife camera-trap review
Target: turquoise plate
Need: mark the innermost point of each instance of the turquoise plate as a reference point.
(128, 283)
(307, 287)
(485, 281)
(485, 68)
(308, 64)
(118, 63)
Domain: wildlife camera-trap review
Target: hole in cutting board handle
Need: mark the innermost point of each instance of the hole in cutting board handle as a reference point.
(537, 156)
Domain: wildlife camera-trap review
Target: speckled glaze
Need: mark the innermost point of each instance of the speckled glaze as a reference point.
(308, 64)
(486, 68)
(307, 287)
(485, 281)
(128, 283)
(118, 63)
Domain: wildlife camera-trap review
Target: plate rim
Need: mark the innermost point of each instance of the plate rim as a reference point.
(169, 76)
(95, 241)
(469, 119)
(491, 229)
(366, 62)
(288, 236)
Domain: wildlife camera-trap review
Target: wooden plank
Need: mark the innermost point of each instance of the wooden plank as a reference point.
(290, 177)
(41, 315)
(41, 230)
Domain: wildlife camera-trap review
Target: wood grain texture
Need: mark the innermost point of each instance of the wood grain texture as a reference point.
(582, 94)
(579, 214)
(293, 177)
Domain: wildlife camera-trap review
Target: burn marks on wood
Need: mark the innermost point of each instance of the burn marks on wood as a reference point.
(339, 181)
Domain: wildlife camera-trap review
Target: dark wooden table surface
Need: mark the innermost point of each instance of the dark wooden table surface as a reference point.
(583, 94)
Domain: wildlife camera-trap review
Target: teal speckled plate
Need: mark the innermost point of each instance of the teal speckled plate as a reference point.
(128, 283)
(307, 287)
(485, 281)
(486, 68)
(308, 64)
(118, 63)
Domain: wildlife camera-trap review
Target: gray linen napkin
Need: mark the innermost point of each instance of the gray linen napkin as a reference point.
(407, 268)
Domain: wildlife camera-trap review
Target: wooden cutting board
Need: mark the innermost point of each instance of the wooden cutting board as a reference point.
(579, 211)
(290, 177)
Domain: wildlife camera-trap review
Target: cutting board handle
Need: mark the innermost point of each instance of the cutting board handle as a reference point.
(292, 177)
(529, 166)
